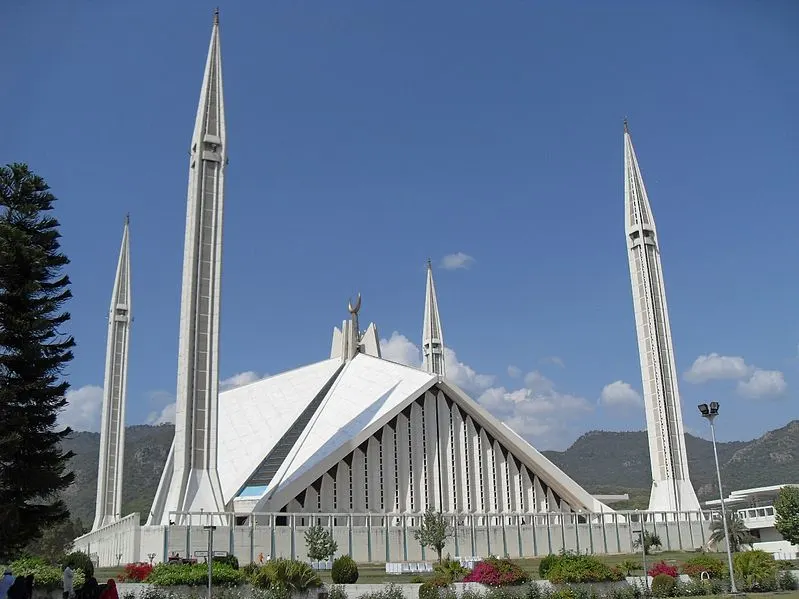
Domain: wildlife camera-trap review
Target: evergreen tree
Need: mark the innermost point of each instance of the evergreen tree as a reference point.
(34, 350)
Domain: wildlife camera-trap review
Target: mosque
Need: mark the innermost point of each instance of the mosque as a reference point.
(357, 442)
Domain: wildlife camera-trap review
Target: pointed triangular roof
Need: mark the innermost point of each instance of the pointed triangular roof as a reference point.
(365, 396)
(255, 417)
(432, 333)
(638, 213)
(368, 394)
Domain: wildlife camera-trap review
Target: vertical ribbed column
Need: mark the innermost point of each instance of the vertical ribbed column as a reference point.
(390, 465)
(405, 465)
(418, 458)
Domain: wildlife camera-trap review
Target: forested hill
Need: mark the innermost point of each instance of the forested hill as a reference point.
(603, 462)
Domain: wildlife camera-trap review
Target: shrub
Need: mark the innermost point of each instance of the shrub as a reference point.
(545, 565)
(755, 570)
(629, 566)
(249, 571)
(428, 590)
(497, 572)
(663, 585)
(450, 570)
(46, 577)
(137, 572)
(230, 560)
(390, 591)
(786, 581)
(705, 563)
(77, 560)
(504, 593)
(345, 570)
(572, 568)
(337, 592)
(662, 568)
(193, 574)
(286, 574)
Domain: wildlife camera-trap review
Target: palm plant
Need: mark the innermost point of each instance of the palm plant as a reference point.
(740, 536)
(651, 541)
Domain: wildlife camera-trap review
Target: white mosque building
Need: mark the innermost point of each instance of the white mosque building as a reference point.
(357, 442)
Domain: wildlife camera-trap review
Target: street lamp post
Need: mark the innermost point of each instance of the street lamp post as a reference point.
(643, 556)
(710, 412)
(210, 530)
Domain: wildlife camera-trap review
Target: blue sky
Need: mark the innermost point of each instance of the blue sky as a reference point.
(365, 137)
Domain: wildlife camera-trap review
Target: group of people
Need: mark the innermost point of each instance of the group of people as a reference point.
(21, 587)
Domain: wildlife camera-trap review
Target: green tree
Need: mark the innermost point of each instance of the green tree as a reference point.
(433, 532)
(786, 510)
(739, 534)
(55, 541)
(651, 541)
(320, 543)
(34, 350)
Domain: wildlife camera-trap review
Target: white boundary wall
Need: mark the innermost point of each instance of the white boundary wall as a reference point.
(390, 538)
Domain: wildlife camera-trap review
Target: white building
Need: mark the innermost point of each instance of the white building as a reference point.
(356, 442)
(756, 508)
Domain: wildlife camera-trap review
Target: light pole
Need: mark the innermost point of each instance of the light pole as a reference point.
(210, 530)
(643, 557)
(710, 412)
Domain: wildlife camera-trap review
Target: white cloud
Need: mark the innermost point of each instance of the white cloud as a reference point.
(465, 376)
(541, 414)
(514, 371)
(84, 408)
(456, 261)
(715, 367)
(620, 394)
(239, 379)
(762, 384)
(398, 348)
(753, 382)
(165, 416)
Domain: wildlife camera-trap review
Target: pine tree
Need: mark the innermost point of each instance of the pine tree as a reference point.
(33, 353)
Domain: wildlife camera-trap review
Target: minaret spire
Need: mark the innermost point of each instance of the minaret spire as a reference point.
(671, 485)
(432, 335)
(194, 481)
(112, 428)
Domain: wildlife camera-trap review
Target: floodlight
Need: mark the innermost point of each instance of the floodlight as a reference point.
(714, 407)
(704, 409)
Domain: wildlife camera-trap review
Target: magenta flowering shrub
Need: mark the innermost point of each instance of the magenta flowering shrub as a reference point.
(497, 573)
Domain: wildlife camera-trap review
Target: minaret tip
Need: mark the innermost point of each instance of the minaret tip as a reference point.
(626, 129)
(127, 219)
(429, 264)
(216, 16)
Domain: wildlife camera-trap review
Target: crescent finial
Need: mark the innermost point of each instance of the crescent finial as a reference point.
(354, 309)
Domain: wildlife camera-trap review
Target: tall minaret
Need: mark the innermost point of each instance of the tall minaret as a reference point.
(194, 481)
(671, 486)
(112, 428)
(432, 335)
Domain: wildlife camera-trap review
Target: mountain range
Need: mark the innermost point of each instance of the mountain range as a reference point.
(601, 461)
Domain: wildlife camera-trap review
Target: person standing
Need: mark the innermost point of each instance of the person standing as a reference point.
(69, 575)
(5, 583)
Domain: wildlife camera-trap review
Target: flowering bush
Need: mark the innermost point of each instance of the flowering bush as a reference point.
(137, 572)
(496, 573)
(663, 568)
(704, 563)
